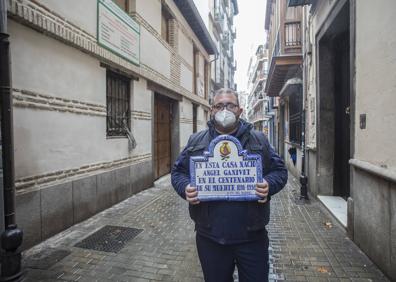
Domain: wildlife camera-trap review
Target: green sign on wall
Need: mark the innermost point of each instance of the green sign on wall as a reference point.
(118, 32)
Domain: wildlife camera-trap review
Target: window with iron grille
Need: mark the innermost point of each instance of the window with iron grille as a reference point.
(295, 110)
(118, 104)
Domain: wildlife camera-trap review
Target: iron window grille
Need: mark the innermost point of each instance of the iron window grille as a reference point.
(293, 34)
(118, 105)
(295, 111)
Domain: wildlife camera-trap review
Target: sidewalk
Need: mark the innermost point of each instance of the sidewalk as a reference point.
(305, 244)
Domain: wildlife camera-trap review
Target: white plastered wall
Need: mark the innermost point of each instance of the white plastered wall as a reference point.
(142, 128)
(376, 82)
(201, 76)
(47, 141)
(186, 128)
(201, 119)
(153, 53)
(49, 67)
(185, 47)
(184, 26)
(151, 12)
(186, 78)
(81, 13)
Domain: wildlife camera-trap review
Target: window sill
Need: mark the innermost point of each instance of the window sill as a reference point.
(116, 137)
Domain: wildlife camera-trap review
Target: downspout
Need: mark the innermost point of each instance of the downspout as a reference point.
(11, 238)
(209, 65)
(303, 176)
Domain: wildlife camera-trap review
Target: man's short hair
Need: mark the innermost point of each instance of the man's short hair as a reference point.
(225, 91)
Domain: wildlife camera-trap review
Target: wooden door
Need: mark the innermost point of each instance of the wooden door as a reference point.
(162, 136)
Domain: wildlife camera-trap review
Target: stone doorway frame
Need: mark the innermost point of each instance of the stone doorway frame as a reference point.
(325, 182)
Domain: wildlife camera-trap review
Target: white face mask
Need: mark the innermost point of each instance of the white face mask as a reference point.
(225, 118)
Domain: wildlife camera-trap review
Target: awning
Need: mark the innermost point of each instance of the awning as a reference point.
(291, 86)
(281, 69)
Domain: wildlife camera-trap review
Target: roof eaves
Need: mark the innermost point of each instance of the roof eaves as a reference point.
(194, 19)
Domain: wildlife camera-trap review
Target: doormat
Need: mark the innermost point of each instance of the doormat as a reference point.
(109, 238)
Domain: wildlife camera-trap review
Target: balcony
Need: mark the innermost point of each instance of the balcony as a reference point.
(286, 56)
(258, 81)
(233, 33)
(226, 40)
(259, 117)
(218, 19)
(258, 103)
(234, 65)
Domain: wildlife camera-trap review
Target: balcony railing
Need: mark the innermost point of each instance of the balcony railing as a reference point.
(261, 75)
(292, 34)
(288, 39)
(226, 39)
(233, 33)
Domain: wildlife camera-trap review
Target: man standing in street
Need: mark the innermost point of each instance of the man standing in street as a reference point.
(231, 233)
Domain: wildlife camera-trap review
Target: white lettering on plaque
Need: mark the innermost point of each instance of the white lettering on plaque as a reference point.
(226, 171)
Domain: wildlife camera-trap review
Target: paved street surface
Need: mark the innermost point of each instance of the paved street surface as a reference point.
(306, 245)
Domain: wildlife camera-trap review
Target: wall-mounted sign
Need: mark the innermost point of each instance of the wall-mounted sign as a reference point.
(226, 171)
(118, 32)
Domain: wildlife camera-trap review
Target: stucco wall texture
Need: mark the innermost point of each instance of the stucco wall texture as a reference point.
(66, 167)
(376, 82)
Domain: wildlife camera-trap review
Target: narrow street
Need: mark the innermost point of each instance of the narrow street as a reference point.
(305, 244)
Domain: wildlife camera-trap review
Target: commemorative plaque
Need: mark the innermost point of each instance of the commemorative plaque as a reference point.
(226, 172)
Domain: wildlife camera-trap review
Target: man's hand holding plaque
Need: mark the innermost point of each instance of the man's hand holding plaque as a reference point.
(262, 190)
(191, 195)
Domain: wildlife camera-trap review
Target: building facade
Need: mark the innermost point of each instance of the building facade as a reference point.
(105, 96)
(243, 98)
(348, 111)
(218, 16)
(259, 106)
(284, 38)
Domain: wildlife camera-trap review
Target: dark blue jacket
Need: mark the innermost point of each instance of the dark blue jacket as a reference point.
(229, 222)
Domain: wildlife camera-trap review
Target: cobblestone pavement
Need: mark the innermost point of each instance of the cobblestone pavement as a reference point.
(302, 246)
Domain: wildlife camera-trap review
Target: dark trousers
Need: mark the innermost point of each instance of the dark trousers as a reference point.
(218, 261)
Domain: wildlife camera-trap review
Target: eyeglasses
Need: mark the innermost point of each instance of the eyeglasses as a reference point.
(221, 106)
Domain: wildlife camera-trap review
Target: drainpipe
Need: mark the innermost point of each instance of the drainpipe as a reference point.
(11, 238)
(303, 176)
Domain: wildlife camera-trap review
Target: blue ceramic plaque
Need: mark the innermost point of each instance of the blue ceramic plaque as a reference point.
(226, 172)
